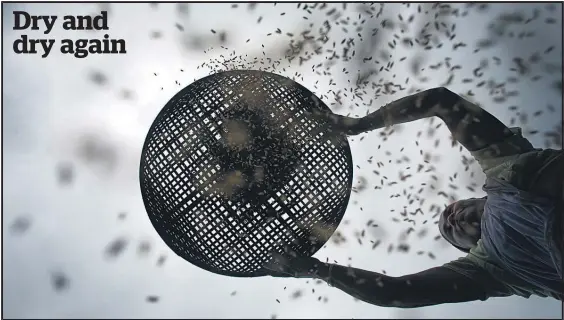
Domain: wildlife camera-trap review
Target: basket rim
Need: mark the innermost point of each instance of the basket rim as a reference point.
(343, 141)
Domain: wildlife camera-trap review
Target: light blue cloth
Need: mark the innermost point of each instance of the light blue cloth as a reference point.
(516, 254)
(517, 233)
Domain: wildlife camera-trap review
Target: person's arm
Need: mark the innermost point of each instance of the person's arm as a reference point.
(430, 287)
(469, 124)
(487, 138)
(458, 281)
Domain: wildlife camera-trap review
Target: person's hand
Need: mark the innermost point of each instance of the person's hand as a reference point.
(347, 125)
(291, 265)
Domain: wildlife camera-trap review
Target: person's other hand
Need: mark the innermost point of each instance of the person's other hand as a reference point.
(347, 125)
(290, 265)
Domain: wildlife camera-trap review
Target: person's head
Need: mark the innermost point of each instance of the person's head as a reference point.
(459, 223)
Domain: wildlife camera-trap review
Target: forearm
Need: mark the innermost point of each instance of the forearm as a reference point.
(430, 287)
(421, 105)
(469, 124)
(370, 287)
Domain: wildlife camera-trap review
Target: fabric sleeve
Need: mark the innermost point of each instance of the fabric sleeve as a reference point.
(468, 268)
(496, 158)
(499, 283)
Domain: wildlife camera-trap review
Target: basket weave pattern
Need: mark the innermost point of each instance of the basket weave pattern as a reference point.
(234, 168)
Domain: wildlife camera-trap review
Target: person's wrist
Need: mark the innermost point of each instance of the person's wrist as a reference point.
(308, 267)
(323, 271)
(365, 124)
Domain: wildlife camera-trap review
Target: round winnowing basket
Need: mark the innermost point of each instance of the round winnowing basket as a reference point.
(234, 167)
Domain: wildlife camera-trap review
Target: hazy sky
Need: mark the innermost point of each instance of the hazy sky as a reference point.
(55, 115)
